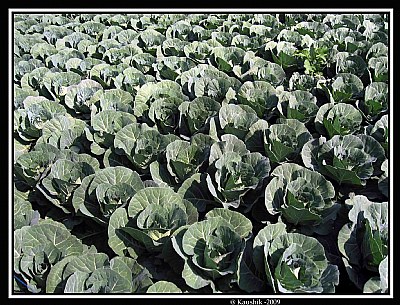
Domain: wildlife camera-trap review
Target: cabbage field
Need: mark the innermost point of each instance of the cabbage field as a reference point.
(200, 153)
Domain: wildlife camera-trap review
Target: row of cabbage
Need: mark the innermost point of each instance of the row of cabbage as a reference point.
(200, 153)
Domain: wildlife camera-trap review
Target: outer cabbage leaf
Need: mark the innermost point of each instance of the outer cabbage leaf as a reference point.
(338, 119)
(236, 119)
(234, 171)
(226, 58)
(32, 166)
(383, 182)
(259, 95)
(163, 287)
(130, 80)
(379, 68)
(64, 132)
(211, 249)
(141, 144)
(196, 114)
(171, 67)
(380, 132)
(39, 247)
(364, 240)
(150, 92)
(346, 159)
(299, 265)
(344, 87)
(375, 100)
(182, 160)
(303, 197)
(64, 177)
(283, 53)
(152, 216)
(298, 104)
(24, 214)
(284, 140)
(101, 193)
(29, 121)
(104, 127)
(96, 273)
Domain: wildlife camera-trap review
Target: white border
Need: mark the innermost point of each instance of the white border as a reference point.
(200, 10)
(10, 152)
(391, 155)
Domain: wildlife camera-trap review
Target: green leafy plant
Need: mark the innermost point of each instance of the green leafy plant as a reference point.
(315, 59)
(201, 153)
